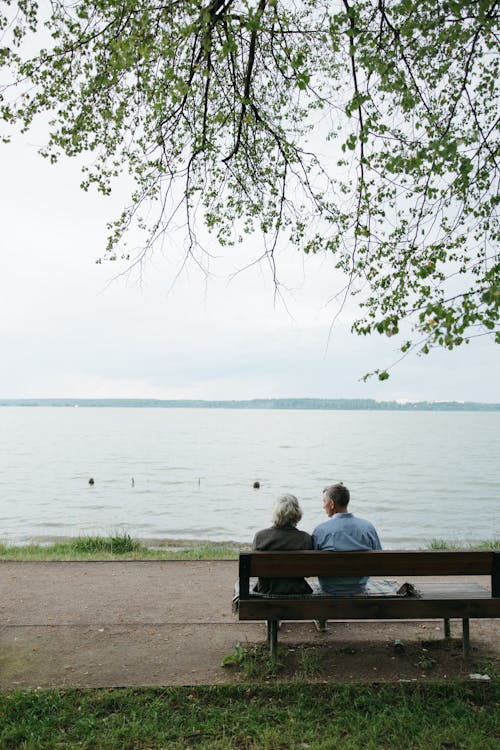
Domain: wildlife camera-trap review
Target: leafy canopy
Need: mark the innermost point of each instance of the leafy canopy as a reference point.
(366, 129)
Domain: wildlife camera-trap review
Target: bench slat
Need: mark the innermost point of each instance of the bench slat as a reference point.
(368, 609)
(377, 563)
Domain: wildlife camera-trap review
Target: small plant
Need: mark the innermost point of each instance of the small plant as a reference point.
(118, 544)
(310, 662)
(236, 658)
(425, 661)
(253, 660)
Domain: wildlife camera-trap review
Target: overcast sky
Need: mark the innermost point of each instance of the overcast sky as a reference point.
(67, 329)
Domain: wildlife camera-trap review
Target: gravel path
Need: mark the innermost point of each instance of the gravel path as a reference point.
(103, 624)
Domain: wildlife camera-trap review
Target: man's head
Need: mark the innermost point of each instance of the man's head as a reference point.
(335, 499)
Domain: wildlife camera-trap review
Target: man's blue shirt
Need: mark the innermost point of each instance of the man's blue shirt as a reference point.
(345, 532)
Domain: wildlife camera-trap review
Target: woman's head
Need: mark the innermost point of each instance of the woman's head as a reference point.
(286, 511)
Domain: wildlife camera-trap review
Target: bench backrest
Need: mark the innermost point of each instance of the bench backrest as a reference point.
(378, 563)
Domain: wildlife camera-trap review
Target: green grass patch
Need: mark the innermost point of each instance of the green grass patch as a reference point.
(120, 546)
(458, 716)
(442, 544)
(253, 661)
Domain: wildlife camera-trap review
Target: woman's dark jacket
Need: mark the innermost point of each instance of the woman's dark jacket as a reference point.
(283, 538)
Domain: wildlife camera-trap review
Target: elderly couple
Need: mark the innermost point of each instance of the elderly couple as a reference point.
(342, 531)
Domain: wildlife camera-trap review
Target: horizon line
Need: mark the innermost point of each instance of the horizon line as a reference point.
(278, 401)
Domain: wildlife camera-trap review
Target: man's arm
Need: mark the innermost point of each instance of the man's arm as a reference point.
(374, 539)
(315, 540)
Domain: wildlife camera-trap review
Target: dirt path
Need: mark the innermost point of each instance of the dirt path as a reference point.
(103, 624)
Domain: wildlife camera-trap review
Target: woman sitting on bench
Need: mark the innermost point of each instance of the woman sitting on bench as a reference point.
(283, 535)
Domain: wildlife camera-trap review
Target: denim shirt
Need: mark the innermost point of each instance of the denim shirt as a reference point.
(345, 532)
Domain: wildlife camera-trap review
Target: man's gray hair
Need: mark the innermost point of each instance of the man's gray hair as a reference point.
(286, 511)
(339, 493)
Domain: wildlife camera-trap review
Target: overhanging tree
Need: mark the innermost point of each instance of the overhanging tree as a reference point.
(365, 129)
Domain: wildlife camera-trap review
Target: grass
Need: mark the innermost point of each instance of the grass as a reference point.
(441, 544)
(252, 660)
(124, 547)
(456, 716)
(119, 546)
(310, 663)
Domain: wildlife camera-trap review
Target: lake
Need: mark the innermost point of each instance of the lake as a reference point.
(189, 473)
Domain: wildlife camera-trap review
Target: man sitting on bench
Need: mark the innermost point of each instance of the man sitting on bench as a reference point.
(342, 532)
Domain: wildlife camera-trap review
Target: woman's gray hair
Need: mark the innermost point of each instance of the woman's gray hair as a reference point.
(286, 511)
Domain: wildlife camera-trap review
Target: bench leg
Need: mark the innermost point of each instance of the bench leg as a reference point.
(447, 631)
(272, 639)
(465, 637)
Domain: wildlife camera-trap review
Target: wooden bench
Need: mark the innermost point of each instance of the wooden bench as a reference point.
(446, 599)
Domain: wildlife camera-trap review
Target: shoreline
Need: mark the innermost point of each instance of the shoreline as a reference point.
(152, 543)
(178, 544)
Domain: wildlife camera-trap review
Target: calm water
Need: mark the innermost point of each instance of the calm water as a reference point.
(416, 476)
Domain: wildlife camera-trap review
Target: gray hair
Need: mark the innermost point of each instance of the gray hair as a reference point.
(339, 493)
(286, 511)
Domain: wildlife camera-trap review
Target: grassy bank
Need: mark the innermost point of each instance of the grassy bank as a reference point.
(124, 547)
(274, 717)
(121, 547)
(441, 544)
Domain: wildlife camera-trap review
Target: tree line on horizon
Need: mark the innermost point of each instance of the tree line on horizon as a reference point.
(263, 403)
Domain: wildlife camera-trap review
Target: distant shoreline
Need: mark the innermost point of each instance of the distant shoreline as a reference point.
(311, 404)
